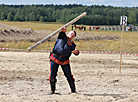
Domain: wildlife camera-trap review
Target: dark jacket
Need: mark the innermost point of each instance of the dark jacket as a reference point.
(63, 46)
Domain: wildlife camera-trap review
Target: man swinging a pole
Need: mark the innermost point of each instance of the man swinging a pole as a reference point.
(62, 50)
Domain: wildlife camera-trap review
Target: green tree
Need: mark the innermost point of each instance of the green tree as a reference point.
(96, 15)
(10, 16)
(32, 16)
(27, 17)
(37, 13)
(41, 19)
(109, 20)
(2, 16)
(132, 18)
(18, 16)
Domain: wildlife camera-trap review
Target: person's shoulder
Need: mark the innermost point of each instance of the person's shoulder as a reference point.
(73, 43)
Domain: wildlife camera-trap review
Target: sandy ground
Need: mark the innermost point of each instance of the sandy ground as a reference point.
(24, 77)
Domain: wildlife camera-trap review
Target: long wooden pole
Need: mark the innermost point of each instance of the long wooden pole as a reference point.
(121, 48)
(55, 32)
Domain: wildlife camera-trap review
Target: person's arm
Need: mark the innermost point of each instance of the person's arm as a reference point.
(76, 52)
(62, 33)
(64, 29)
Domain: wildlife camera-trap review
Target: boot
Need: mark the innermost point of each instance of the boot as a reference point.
(72, 86)
(53, 87)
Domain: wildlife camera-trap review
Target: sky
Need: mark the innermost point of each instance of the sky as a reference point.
(115, 3)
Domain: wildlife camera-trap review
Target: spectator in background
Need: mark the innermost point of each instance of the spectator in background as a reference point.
(90, 28)
(130, 28)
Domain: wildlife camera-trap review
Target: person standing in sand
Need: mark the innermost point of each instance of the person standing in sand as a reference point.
(62, 50)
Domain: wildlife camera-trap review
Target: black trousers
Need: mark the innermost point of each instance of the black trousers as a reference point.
(54, 69)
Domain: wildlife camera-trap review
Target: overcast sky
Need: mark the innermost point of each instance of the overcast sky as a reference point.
(118, 3)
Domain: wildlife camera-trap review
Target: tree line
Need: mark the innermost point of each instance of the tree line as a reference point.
(96, 15)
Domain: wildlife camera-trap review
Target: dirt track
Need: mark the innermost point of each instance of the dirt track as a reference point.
(24, 78)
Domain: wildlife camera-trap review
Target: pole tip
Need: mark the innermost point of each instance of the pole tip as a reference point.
(85, 12)
(28, 50)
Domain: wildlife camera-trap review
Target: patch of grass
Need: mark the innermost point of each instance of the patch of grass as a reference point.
(35, 25)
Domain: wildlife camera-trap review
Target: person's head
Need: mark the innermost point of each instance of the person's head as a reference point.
(71, 35)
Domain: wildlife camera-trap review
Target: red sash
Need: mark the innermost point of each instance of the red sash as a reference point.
(58, 61)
